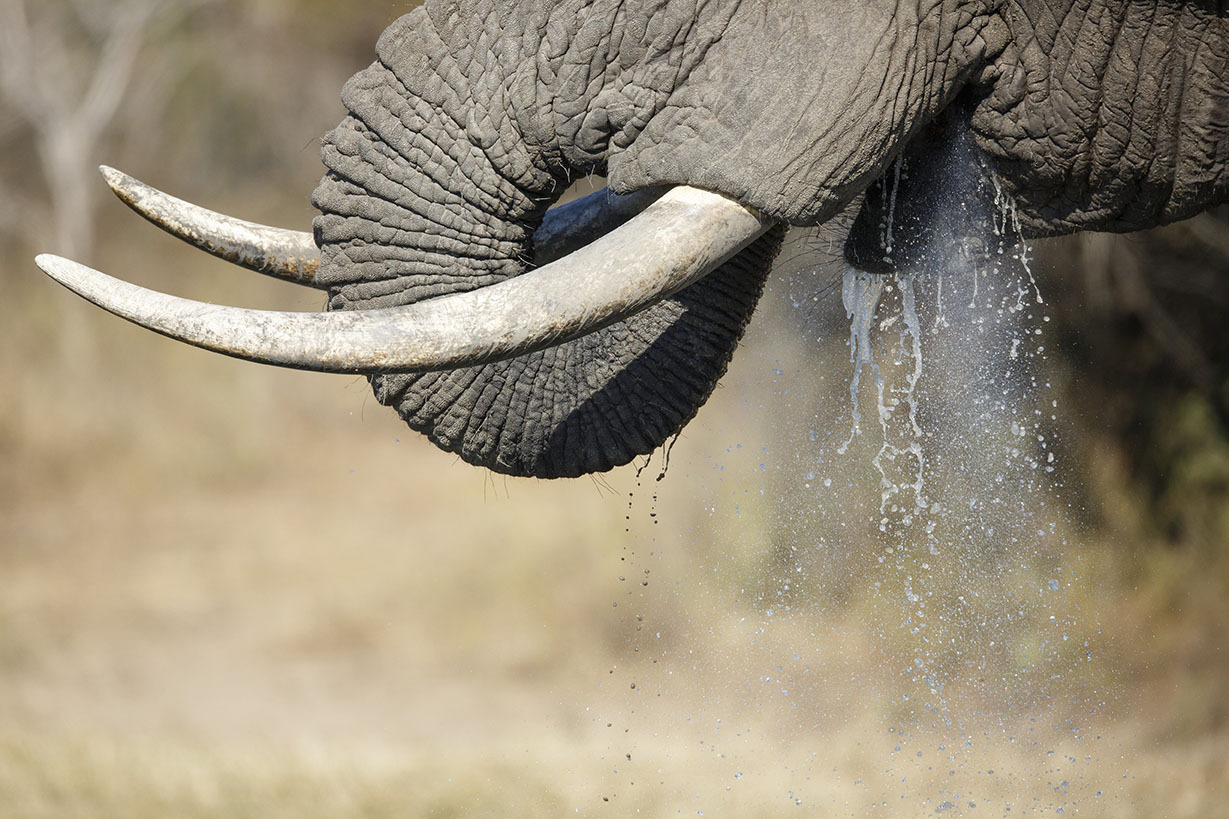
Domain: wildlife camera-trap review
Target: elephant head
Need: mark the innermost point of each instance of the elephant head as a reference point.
(481, 320)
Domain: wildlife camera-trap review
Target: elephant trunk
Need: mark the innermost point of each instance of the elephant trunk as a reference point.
(436, 184)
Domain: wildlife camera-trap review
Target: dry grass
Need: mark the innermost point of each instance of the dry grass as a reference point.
(234, 592)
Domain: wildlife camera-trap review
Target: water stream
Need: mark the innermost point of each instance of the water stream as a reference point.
(970, 543)
(882, 618)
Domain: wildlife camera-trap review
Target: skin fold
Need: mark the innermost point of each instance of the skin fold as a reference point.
(477, 114)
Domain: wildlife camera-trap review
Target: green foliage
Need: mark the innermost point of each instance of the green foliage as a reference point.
(1146, 357)
(1191, 463)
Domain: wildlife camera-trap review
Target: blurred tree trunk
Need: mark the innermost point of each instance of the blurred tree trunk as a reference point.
(68, 102)
(65, 67)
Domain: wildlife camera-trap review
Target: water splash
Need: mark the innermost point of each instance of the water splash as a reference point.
(900, 452)
(963, 456)
(918, 581)
(910, 452)
(860, 292)
(1006, 223)
(888, 226)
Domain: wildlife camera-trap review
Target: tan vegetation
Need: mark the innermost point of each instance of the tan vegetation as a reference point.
(232, 591)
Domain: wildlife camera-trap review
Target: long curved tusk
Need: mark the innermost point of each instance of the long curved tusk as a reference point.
(292, 255)
(678, 240)
(289, 255)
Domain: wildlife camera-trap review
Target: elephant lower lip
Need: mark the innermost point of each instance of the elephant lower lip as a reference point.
(292, 255)
(567, 228)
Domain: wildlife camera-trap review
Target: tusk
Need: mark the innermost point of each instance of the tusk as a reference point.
(676, 241)
(289, 255)
(292, 255)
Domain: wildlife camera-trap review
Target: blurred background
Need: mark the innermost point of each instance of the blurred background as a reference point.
(232, 590)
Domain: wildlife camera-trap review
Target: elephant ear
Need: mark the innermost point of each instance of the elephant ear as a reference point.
(418, 205)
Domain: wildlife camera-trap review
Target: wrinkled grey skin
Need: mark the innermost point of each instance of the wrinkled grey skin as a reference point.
(1097, 114)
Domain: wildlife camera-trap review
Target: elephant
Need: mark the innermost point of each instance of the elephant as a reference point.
(555, 342)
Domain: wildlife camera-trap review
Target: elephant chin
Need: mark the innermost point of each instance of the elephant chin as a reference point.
(411, 210)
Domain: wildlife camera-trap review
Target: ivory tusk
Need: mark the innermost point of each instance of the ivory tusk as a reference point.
(289, 255)
(679, 239)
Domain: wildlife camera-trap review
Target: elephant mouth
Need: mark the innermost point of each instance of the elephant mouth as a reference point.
(673, 239)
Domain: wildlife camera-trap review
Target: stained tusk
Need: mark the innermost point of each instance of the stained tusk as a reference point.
(289, 255)
(292, 255)
(676, 241)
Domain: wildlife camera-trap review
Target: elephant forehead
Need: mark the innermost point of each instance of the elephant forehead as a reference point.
(799, 106)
